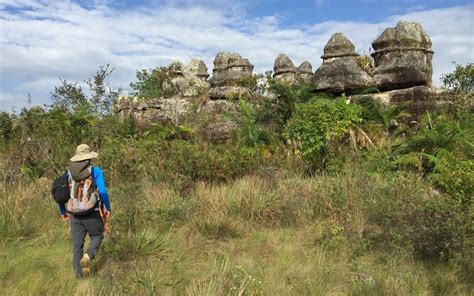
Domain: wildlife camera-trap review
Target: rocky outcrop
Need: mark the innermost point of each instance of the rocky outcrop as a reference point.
(229, 70)
(188, 81)
(420, 98)
(305, 72)
(401, 67)
(185, 85)
(403, 57)
(145, 112)
(284, 70)
(340, 71)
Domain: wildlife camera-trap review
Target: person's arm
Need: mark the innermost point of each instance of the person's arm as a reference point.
(62, 206)
(62, 209)
(99, 180)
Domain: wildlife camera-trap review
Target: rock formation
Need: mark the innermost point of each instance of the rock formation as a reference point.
(229, 70)
(284, 70)
(403, 57)
(188, 81)
(340, 71)
(185, 84)
(305, 72)
(401, 67)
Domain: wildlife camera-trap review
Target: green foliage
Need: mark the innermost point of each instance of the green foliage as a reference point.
(318, 123)
(102, 97)
(6, 127)
(461, 79)
(134, 245)
(150, 84)
(249, 132)
(275, 112)
(388, 117)
(248, 81)
(443, 149)
(444, 230)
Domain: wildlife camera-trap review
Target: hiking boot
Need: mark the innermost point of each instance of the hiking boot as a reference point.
(86, 265)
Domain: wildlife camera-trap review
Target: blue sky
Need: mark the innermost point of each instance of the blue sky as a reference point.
(41, 40)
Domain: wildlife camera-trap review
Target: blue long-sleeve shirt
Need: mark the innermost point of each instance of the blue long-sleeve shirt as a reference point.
(99, 183)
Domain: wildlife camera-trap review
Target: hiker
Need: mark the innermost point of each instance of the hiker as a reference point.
(88, 197)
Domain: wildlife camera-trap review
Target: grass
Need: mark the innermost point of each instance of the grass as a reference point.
(340, 234)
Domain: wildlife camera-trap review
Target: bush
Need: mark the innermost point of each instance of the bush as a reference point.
(150, 84)
(439, 230)
(319, 123)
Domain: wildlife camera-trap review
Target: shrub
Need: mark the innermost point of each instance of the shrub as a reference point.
(150, 84)
(318, 123)
(439, 230)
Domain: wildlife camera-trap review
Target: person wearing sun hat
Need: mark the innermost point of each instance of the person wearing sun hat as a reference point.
(87, 222)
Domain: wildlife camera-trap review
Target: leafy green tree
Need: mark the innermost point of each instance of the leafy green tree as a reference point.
(99, 99)
(461, 79)
(150, 84)
(6, 127)
(318, 123)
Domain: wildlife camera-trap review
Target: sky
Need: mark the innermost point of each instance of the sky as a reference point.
(42, 41)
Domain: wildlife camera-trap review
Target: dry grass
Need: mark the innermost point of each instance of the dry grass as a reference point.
(254, 236)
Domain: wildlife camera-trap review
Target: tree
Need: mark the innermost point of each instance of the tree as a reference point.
(150, 84)
(461, 80)
(99, 100)
(6, 127)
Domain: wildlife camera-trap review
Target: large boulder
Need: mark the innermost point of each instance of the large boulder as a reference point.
(284, 70)
(340, 72)
(403, 57)
(229, 70)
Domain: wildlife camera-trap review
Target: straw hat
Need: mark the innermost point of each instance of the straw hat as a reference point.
(84, 152)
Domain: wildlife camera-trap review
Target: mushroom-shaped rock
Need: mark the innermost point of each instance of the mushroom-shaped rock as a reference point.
(340, 71)
(305, 72)
(339, 46)
(186, 81)
(284, 70)
(198, 68)
(403, 57)
(176, 68)
(229, 70)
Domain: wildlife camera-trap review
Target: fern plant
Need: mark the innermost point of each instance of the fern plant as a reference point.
(444, 151)
(249, 133)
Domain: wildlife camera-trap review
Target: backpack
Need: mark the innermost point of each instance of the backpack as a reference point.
(83, 196)
(60, 190)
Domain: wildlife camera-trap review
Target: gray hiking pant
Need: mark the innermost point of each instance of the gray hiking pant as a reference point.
(80, 226)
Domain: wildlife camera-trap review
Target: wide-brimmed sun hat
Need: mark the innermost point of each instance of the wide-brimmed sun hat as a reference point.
(84, 152)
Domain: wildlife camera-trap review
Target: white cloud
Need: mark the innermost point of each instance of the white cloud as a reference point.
(62, 39)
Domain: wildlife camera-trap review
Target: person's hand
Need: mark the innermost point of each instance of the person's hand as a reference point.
(65, 217)
(107, 213)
